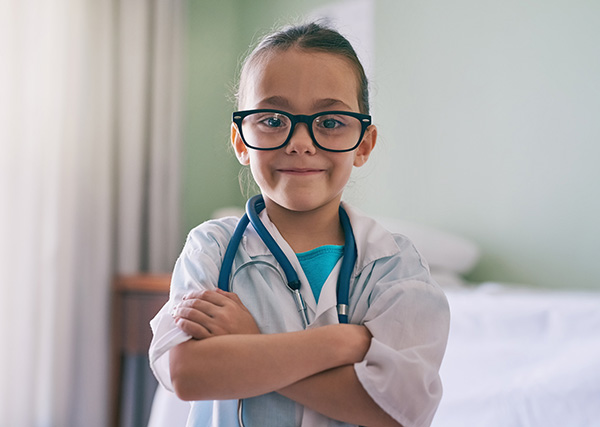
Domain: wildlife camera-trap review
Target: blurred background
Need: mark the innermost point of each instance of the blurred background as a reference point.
(114, 133)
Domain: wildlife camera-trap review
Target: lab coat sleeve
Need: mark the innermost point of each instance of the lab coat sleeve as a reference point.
(197, 268)
(408, 317)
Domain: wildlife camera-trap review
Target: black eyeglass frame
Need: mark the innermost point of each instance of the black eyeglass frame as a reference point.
(365, 121)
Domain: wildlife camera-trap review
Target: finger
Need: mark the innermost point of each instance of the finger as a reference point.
(193, 295)
(203, 320)
(194, 329)
(216, 297)
(201, 305)
(199, 312)
(226, 294)
(233, 297)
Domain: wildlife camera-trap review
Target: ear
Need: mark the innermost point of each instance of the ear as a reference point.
(241, 151)
(362, 153)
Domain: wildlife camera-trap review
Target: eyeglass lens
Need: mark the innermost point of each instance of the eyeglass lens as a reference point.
(331, 131)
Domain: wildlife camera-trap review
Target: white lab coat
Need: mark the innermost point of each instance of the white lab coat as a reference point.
(391, 293)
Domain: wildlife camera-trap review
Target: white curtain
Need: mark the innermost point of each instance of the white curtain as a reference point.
(90, 113)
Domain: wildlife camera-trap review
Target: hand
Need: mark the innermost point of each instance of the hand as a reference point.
(206, 314)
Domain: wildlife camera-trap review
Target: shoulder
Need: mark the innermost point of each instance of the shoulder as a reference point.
(199, 263)
(376, 245)
(389, 263)
(213, 232)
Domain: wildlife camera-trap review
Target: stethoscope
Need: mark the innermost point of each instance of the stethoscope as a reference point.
(253, 207)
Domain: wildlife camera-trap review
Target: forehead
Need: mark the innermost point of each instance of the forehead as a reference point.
(301, 81)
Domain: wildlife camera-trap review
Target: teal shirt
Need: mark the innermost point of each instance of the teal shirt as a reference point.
(317, 265)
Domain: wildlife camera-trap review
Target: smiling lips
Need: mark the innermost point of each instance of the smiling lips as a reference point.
(300, 171)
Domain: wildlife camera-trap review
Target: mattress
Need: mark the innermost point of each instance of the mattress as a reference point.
(518, 356)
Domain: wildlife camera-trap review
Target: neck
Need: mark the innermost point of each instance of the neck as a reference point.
(307, 230)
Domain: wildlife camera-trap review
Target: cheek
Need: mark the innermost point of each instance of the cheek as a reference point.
(255, 170)
(259, 166)
(346, 177)
(345, 167)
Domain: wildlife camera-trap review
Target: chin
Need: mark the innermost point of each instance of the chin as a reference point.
(308, 204)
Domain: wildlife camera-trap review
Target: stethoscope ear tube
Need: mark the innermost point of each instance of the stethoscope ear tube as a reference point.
(254, 206)
(348, 261)
(232, 247)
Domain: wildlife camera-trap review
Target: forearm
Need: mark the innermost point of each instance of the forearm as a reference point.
(240, 366)
(338, 394)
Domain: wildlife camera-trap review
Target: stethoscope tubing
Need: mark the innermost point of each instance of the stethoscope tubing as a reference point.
(253, 208)
(232, 248)
(346, 268)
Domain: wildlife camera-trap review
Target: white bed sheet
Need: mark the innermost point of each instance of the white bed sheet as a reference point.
(521, 357)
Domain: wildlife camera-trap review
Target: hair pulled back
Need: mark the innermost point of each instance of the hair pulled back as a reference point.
(311, 37)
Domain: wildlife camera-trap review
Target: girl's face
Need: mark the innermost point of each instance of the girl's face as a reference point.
(300, 176)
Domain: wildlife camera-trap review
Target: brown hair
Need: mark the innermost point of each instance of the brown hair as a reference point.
(312, 36)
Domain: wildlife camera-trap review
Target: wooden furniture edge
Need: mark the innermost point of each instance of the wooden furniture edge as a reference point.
(142, 283)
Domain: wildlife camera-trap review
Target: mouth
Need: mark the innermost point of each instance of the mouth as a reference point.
(300, 171)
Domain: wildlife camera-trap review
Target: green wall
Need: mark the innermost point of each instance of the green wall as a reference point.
(220, 33)
(209, 167)
(488, 118)
(491, 113)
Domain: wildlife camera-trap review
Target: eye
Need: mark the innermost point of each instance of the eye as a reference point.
(331, 122)
(272, 120)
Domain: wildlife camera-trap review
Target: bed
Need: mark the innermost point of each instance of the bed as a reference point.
(516, 356)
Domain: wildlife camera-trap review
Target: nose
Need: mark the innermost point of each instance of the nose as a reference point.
(300, 141)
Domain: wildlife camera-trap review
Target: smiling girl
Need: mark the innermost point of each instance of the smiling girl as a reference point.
(247, 357)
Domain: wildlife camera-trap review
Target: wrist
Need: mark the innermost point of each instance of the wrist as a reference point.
(349, 343)
(362, 343)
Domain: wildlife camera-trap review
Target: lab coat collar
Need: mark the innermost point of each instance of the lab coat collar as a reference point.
(252, 242)
(254, 246)
(373, 241)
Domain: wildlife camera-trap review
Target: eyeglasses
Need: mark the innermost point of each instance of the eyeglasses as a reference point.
(336, 131)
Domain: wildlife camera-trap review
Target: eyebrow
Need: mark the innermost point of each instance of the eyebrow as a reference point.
(283, 103)
(329, 102)
(275, 101)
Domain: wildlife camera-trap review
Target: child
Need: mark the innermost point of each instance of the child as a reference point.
(246, 357)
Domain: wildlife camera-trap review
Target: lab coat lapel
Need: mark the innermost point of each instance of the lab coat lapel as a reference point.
(252, 242)
(326, 309)
(324, 312)
(369, 234)
(305, 290)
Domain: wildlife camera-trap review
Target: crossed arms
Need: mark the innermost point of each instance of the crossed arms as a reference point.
(312, 367)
